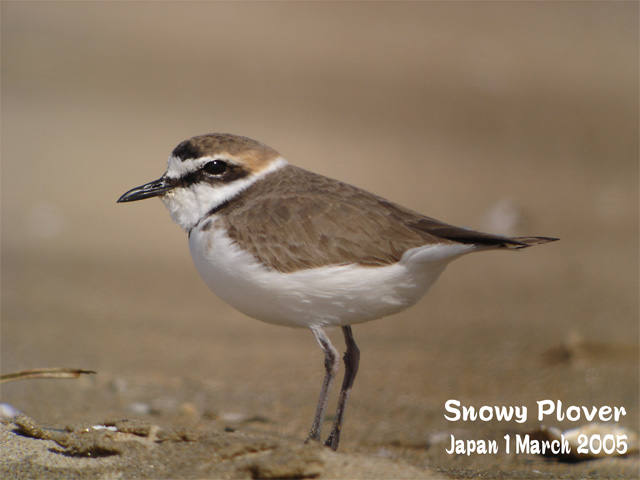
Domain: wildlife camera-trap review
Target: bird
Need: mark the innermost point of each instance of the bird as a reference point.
(290, 247)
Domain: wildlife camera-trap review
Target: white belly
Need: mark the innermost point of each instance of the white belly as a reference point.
(327, 296)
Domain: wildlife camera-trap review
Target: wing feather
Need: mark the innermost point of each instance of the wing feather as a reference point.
(296, 219)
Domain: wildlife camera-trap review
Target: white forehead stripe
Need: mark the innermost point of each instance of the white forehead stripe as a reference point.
(176, 167)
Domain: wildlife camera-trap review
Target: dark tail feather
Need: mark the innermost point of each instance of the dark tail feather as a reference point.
(524, 242)
(500, 241)
(473, 237)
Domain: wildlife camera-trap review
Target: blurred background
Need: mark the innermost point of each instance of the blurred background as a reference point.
(516, 117)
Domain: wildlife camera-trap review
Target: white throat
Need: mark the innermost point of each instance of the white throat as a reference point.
(188, 205)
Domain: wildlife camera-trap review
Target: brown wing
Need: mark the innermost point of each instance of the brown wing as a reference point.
(296, 219)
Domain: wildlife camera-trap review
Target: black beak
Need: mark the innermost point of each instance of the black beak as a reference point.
(152, 189)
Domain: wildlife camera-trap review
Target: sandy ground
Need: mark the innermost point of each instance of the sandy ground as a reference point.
(519, 118)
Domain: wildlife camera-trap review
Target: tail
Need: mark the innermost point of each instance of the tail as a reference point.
(472, 237)
(524, 242)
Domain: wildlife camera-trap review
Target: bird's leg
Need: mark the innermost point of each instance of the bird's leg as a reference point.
(351, 362)
(331, 364)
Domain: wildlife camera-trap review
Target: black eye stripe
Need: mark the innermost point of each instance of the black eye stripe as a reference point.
(231, 173)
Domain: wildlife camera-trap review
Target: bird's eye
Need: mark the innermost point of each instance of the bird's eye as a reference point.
(216, 167)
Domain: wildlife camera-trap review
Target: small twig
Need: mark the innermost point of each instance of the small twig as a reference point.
(44, 373)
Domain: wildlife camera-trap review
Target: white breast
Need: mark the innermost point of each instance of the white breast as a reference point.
(327, 296)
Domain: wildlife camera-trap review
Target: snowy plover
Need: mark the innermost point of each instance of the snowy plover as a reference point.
(290, 247)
